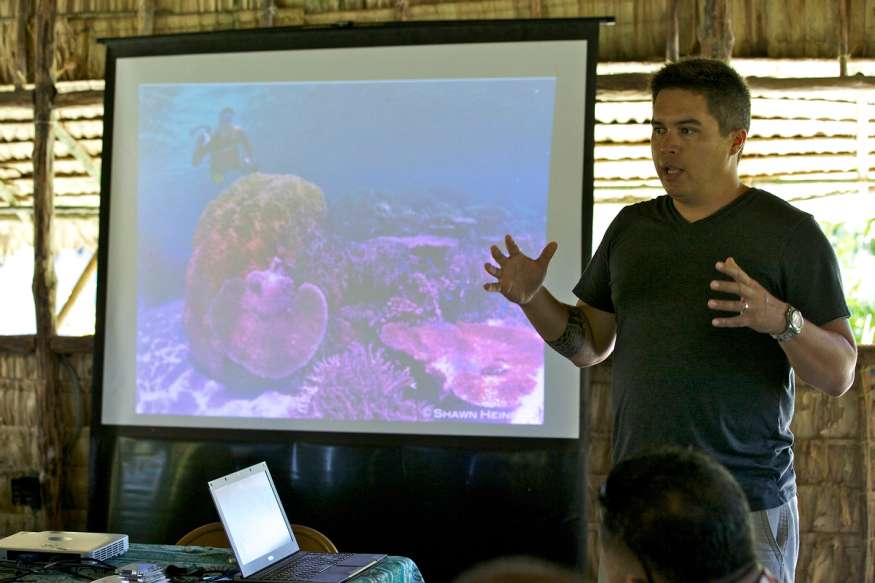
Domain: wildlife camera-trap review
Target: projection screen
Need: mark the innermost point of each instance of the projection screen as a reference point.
(294, 238)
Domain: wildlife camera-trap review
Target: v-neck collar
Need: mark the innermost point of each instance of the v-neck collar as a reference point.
(738, 201)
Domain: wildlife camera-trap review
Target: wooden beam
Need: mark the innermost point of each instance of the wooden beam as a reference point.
(26, 344)
(73, 344)
(402, 10)
(672, 37)
(145, 17)
(843, 38)
(50, 442)
(83, 213)
(266, 13)
(17, 98)
(24, 98)
(92, 167)
(22, 18)
(715, 33)
(77, 289)
(636, 82)
(235, 14)
(21, 344)
(86, 98)
(636, 85)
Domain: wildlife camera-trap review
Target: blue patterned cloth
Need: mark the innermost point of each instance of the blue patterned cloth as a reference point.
(389, 570)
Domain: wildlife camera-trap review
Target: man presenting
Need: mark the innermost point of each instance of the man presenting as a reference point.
(709, 298)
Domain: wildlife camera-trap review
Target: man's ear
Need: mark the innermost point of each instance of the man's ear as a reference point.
(739, 137)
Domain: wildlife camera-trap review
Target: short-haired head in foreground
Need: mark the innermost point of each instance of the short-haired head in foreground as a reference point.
(674, 516)
(518, 569)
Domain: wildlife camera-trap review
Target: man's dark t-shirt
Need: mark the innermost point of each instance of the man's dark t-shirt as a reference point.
(677, 379)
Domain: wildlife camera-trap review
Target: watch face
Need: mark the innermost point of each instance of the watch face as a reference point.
(796, 319)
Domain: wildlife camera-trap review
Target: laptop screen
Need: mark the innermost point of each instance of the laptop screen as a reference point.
(253, 517)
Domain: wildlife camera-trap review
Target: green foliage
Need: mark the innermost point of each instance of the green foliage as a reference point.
(854, 244)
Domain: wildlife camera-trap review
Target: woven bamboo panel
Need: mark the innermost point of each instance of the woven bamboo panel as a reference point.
(829, 461)
(867, 388)
(830, 558)
(12, 522)
(18, 422)
(78, 413)
(17, 403)
(831, 508)
(820, 417)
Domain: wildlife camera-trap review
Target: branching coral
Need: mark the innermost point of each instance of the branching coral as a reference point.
(360, 384)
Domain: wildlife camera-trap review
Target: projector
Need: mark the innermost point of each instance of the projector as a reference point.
(49, 544)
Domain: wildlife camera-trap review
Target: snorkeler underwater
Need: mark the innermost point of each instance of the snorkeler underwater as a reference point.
(227, 146)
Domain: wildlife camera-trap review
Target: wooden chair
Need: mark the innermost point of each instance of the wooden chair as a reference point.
(213, 535)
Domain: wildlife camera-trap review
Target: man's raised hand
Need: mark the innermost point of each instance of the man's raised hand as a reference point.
(519, 276)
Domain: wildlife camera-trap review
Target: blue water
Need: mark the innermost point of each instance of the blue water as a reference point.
(482, 142)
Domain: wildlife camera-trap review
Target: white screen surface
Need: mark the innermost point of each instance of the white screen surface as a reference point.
(319, 265)
(252, 517)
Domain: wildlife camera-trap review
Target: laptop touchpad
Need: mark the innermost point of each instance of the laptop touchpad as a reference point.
(360, 560)
(333, 574)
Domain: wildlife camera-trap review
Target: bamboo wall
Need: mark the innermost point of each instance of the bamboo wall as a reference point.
(834, 448)
(835, 443)
(19, 376)
(786, 29)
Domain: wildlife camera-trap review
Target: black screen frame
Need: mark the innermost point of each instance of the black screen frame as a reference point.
(343, 35)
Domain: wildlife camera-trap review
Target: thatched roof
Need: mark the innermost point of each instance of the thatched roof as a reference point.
(800, 134)
(806, 143)
(76, 168)
(786, 29)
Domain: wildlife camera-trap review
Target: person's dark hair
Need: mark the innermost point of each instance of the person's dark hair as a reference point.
(518, 569)
(723, 88)
(681, 513)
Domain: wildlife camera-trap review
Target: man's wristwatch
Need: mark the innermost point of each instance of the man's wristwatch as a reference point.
(795, 321)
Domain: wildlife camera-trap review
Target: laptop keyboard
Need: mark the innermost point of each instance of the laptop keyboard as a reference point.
(305, 567)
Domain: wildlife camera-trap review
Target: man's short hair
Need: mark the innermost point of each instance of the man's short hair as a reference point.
(681, 513)
(722, 87)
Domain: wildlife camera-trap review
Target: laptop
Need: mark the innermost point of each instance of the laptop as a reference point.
(262, 539)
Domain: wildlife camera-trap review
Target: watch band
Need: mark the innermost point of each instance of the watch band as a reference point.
(793, 328)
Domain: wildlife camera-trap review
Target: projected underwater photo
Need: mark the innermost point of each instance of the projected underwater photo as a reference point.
(315, 250)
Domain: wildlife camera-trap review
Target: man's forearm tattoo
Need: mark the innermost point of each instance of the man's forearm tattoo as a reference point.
(573, 337)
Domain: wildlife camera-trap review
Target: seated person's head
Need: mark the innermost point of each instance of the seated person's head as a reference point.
(518, 570)
(674, 516)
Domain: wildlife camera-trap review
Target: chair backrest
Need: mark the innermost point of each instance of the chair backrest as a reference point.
(310, 539)
(213, 535)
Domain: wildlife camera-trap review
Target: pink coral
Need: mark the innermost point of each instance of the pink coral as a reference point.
(259, 218)
(266, 325)
(489, 366)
